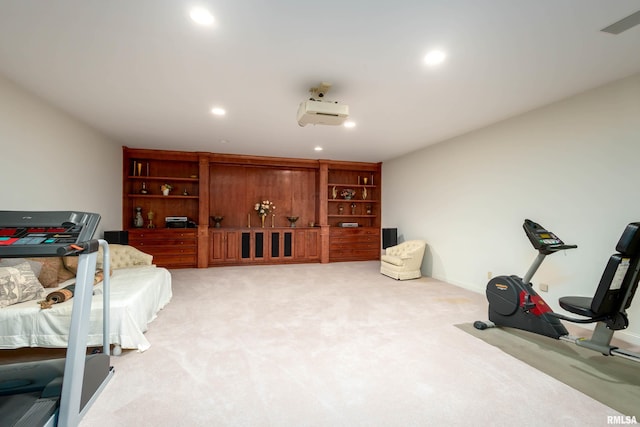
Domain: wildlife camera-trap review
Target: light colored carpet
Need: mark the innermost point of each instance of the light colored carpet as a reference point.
(327, 345)
(612, 380)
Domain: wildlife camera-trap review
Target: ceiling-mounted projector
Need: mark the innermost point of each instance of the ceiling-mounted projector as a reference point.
(322, 113)
(316, 111)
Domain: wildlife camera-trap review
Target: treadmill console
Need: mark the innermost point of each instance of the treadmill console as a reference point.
(44, 234)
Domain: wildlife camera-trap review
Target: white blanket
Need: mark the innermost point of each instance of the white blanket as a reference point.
(137, 294)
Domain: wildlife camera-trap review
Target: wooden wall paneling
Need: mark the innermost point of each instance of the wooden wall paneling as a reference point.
(227, 195)
(303, 197)
(286, 181)
(273, 185)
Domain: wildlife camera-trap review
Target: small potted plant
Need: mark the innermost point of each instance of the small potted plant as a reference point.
(166, 188)
(348, 193)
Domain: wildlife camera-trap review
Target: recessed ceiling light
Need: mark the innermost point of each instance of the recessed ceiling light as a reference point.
(318, 148)
(201, 16)
(224, 141)
(435, 57)
(349, 124)
(217, 111)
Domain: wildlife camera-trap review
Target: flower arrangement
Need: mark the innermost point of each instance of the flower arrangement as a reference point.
(347, 193)
(166, 187)
(263, 208)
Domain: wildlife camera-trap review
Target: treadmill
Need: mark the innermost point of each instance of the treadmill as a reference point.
(57, 392)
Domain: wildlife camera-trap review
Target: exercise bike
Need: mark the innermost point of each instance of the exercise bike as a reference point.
(514, 303)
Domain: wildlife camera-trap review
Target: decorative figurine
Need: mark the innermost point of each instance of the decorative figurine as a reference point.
(138, 221)
(150, 215)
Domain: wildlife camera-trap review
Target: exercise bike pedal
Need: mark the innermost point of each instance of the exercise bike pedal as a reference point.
(481, 325)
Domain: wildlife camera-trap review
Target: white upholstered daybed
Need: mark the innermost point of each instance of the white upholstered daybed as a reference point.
(138, 292)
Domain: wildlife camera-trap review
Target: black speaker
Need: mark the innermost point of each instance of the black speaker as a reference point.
(117, 237)
(389, 237)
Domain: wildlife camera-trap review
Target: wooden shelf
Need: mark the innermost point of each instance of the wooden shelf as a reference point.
(353, 185)
(162, 178)
(160, 196)
(351, 216)
(353, 201)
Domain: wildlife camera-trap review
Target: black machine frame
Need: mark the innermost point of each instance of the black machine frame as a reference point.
(514, 303)
(62, 390)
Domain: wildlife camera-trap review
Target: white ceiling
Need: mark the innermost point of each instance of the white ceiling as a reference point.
(141, 72)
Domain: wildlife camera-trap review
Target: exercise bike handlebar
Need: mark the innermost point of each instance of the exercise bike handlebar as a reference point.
(556, 248)
(545, 242)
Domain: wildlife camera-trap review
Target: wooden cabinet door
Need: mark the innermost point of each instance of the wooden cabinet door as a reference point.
(217, 246)
(232, 246)
(224, 246)
(306, 244)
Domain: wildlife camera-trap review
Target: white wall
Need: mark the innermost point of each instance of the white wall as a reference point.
(572, 166)
(51, 161)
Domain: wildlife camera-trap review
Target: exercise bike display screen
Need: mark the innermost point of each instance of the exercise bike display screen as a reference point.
(539, 236)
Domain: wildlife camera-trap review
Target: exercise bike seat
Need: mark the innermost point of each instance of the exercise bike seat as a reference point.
(616, 288)
(578, 305)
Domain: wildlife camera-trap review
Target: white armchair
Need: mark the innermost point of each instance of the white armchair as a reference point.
(403, 261)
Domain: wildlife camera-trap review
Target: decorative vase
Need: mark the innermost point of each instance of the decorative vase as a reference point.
(262, 217)
(292, 221)
(340, 209)
(217, 220)
(365, 179)
(334, 192)
(138, 221)
(144, 190)
(364, 194)
(165, 192)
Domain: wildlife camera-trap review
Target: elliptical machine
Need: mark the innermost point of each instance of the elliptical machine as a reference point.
(514, 303)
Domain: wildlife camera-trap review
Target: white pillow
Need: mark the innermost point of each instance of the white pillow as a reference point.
(35, 265)
(19, 284)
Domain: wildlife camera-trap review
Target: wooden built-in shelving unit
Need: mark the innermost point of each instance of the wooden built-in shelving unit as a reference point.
(211, 184)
